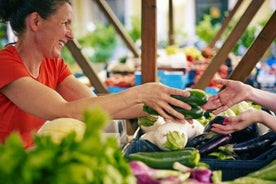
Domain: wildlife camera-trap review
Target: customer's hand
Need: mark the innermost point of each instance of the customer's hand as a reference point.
(232, 93)
(240, 122)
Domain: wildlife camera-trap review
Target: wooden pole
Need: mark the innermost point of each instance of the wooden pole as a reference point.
(89, 72)
(256, 51)
(118, 26)
(149, 41)
(171, 24)
(229, 44)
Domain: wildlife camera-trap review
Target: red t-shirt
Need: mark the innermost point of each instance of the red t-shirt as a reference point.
(12, 118)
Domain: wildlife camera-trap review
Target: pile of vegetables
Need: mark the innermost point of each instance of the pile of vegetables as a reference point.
(244, 140)
(169, 136)
(244, 144)
(93, 159)
(163, 144)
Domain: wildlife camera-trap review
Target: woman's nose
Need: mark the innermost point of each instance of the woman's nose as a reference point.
(70, 35)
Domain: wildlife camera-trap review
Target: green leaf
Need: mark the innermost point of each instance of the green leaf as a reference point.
(175, 140)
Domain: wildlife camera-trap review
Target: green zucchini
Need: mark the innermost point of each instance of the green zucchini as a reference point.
(197, 97)
(166, 154)
(189, 158)
(195, 113)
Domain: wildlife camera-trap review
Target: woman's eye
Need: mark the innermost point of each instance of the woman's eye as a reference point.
(67, 24)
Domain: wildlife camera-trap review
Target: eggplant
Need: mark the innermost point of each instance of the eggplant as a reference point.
(260, 142)
(253, 147)
(201, 139)
(214, 144)
(248, 133)
(197, 140)
(216, 119)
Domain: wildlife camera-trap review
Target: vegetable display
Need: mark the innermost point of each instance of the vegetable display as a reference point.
(164, 144)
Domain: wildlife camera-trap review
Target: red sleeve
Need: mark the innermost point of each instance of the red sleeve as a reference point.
(52, 72)
(64, 70)
(12, 67)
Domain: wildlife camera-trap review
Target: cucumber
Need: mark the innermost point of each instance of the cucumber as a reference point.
(197, 97)
(189, 158)
(195, 113)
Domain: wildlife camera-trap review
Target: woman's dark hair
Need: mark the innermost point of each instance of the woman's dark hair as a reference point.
(15, 11)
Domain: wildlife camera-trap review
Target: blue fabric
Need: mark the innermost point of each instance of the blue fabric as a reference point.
(271, 61)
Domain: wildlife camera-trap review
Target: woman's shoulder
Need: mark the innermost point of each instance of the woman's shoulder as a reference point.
(9, 56)
(8, 52)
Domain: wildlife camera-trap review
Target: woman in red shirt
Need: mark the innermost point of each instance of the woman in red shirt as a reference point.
(36, 85)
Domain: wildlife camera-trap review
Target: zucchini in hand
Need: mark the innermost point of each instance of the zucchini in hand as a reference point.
(195, 113)
(197, 97)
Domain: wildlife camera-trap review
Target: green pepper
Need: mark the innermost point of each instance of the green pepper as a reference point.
(197, 97)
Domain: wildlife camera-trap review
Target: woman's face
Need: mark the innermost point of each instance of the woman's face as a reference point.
(54, 32)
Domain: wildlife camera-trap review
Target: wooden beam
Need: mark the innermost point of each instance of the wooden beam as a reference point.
(256, 51)
(225, 24)
(87, 69)
(149, 41)
(118, 26)
(229, 44)
(171, 24)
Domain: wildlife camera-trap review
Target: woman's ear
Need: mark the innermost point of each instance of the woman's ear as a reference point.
(34, 21)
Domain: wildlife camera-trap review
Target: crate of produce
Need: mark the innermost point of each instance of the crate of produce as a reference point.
(231, 169)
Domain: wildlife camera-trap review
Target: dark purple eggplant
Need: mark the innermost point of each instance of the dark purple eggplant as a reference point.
(216, 119)
(246, 134)
(214, 144)
(197, 140)
(201, 139)
(253, 147)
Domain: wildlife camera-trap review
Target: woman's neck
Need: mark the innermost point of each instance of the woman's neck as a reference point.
(29, 56)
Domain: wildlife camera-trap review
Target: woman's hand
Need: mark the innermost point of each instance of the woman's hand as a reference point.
(158, 96)
(243, 120)
(232, 93)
